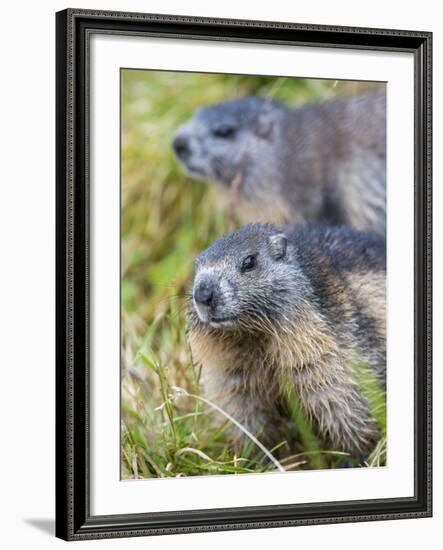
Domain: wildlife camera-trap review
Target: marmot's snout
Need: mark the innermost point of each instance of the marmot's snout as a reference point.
(213, 300)
(212, 144)
(187, 148)
(182, 147)
(204, 293)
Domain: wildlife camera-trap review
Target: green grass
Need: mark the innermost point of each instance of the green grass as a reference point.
(168, 430)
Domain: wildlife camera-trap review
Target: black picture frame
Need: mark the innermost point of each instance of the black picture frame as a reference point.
(74, 28)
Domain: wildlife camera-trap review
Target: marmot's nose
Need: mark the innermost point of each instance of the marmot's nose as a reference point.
(204, 293)
(181, 146)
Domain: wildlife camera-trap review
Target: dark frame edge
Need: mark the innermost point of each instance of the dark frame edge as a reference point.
(423, 269)
(242, 23)
(72, 376)
(61, 404)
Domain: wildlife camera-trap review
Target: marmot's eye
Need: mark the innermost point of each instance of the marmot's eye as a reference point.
(248, 263)
(223, 131)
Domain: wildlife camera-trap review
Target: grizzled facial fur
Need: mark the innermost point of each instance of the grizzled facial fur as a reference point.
(244, 279)
(220, 141)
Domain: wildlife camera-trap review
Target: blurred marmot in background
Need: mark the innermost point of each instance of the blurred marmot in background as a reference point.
(301, 308)
(318, 163)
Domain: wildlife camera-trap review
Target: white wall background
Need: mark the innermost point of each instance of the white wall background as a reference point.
(27, 272)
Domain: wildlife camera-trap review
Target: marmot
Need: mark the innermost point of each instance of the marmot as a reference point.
(300, 308)
(318, 163)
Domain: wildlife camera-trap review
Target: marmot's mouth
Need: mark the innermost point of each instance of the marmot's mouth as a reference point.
(194, 169)
(218, 322)
(207, 319)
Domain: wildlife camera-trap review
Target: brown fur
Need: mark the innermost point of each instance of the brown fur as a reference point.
(313, 348)
(247, 377)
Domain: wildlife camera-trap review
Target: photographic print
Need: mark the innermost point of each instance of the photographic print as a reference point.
(243, 321)
(253, 274)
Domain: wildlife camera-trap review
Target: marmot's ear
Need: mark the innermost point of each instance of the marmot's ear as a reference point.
(278, 244)
(264, 122)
